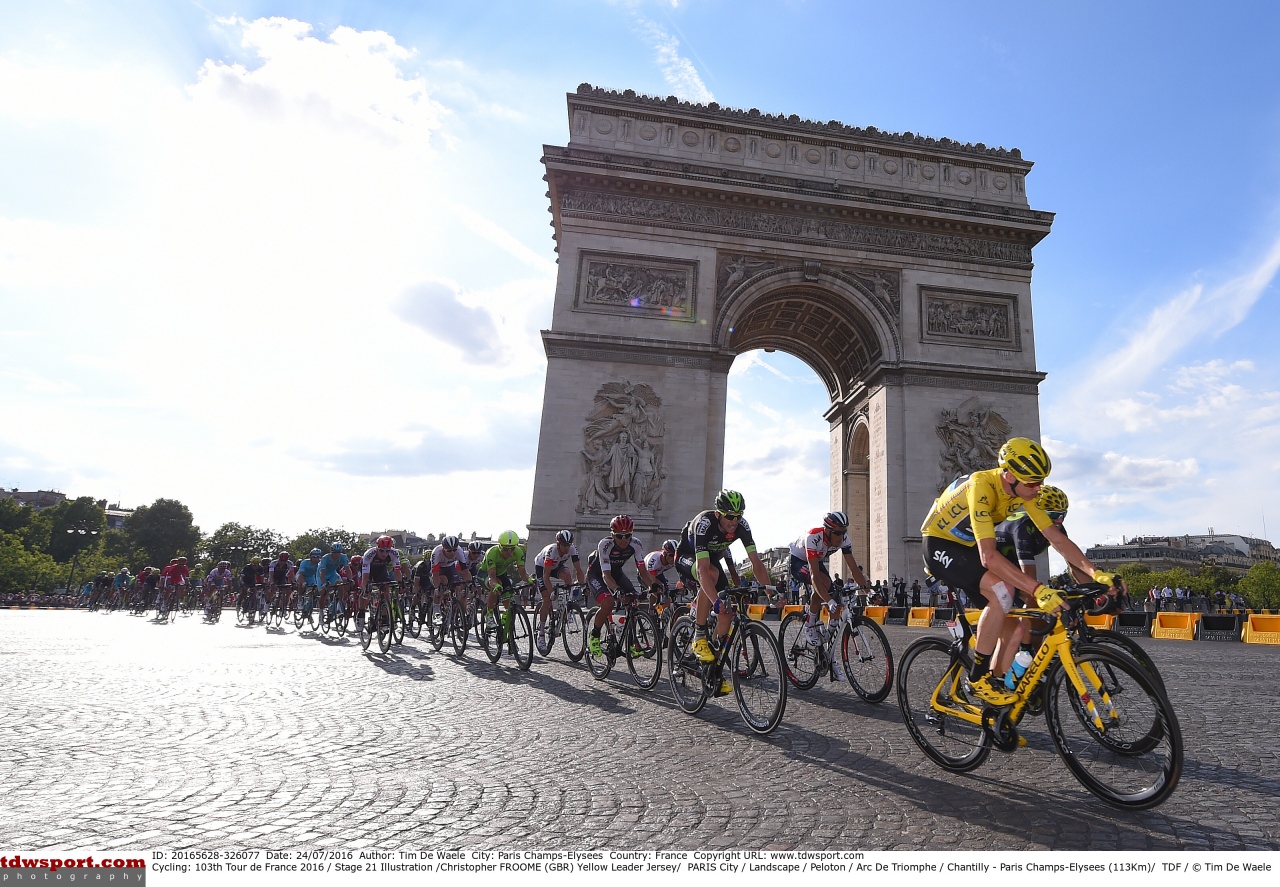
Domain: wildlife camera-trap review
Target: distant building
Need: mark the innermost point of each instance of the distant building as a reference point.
(1229, 551)
(116, 516)
(38, 499)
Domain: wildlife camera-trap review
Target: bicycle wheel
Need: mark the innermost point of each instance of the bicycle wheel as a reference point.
(601, 664)
(312, 617)
(459, 628)
(573, 634)
(868, 661)
(1122, 742)
(489, 631)
(417, 615)
(545, 640)
(437, 623)
(326, 617)
(643, 644)
(1130, 648)
(364, 624)
(931, 697)
(521, 640)
(799, 658)
(342, 618)
(684, 671)
(759, 678)
(395, 607)
(383, 626)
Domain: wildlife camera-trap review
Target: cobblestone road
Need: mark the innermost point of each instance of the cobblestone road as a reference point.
(116, 732)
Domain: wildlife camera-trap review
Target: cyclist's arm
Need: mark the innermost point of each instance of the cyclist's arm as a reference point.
(821, 584)
(997, 563)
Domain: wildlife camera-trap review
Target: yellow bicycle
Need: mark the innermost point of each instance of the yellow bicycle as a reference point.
(1110, 721)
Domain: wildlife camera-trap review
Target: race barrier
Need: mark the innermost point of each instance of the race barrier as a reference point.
(788, 610)
(876, 614)
(920, 617)
(1134, 623)
(1261, 629)
(943, 615)
(1175, 626)
(1219, 627)
(1102, 620)
(896, 616)
(756, 611)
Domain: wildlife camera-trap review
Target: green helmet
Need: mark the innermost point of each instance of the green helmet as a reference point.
(509, 539)
(730, 502)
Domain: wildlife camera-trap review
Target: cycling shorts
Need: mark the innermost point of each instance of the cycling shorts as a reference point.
(544, 581)
(686, 567)
(959, 566)
(448, 575)
(331, 577)
(800, 570)
(595, 582)
(380, 572)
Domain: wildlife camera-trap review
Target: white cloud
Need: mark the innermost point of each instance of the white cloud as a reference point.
(679, 73)
(237, 310)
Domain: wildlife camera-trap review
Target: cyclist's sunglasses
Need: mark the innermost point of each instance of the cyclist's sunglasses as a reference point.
(731, 515)
(1056, 515)
(622, 535)
(836, 533)
(450, 550)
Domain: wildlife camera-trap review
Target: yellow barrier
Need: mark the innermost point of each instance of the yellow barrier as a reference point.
(756, 611)
(920, 617)
(876, 614)
(1102, 620)
(1175, 626)
(1261, 630)
(789, 609)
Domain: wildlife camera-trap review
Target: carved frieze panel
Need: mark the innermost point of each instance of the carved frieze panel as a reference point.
(623, 442)
(733, 270)
(637, 286)
(885, 285)
(783, 226)
(971, 436)
(959, 317)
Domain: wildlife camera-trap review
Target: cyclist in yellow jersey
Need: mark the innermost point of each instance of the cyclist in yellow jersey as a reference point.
(960, 548)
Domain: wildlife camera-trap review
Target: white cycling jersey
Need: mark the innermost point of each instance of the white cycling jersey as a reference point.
(814, 544)
(551, 560)
(653, 563)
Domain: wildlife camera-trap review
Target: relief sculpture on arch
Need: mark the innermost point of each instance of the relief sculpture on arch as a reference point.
(622, 451)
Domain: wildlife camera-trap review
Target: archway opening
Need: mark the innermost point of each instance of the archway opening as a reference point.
(777, 448)
(858, 493)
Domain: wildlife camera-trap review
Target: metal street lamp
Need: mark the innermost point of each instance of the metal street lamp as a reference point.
(82, 530)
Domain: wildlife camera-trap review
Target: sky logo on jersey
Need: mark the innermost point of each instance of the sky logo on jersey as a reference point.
(942, 558)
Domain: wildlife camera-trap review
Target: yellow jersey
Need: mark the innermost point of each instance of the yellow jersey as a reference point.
(970, 508)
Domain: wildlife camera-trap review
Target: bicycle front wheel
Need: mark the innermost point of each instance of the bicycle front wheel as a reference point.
(868, 661)
(931, 696)
(437, 623)
(488, 631)
(643, 642)
(602, 663)
(684, 671)
(364, 622)
(521, 640)
(1122, 739)
(798, 658)
(459, 628)
(383, 626)
(573, 634)
(416, 617)
(397, 621)
(1130, 648)
(759, 679)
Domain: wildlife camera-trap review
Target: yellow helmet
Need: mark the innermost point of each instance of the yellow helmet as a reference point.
(257, 560)
(1051, 499)
(1025, 459)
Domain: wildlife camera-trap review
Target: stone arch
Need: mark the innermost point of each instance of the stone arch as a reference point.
(832, 325)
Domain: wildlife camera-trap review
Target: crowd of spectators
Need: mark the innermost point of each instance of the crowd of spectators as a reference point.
(33, 599)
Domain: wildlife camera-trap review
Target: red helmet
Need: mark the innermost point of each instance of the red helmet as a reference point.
(621, 524)
(357, 558)
(386, 542)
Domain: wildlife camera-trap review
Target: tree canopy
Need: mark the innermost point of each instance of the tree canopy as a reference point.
(164, 530)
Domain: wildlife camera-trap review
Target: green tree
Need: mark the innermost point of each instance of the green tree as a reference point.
(1212, 579)
(322, 538)
(1135, 575)
(238, 542)
(164, 530)
(1261, 586)
(71, 516)
(23, 570)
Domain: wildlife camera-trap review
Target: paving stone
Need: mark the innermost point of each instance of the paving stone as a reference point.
(119, 732)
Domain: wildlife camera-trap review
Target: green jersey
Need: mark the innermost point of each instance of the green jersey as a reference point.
(494, 559)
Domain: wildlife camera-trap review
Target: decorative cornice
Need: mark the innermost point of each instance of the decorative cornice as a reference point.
(613, 162)
(754, 117)
(633, 349)
(664, 212)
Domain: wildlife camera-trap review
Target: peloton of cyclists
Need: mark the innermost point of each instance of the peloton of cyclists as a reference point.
(808, 563)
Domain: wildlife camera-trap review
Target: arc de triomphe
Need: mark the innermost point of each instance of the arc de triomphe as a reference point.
(898, 267)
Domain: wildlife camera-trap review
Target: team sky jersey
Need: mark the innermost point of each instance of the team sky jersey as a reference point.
(331, 565)
(441, 559)
(970, 508)
(550, 559)
(657, 569)
(608, 552)
(494, 559)
(814, 544)
(1020, 541)
(702, 536)
(252, 574)
(309, 571)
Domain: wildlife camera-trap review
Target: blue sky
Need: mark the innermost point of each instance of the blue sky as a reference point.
(287, 261)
